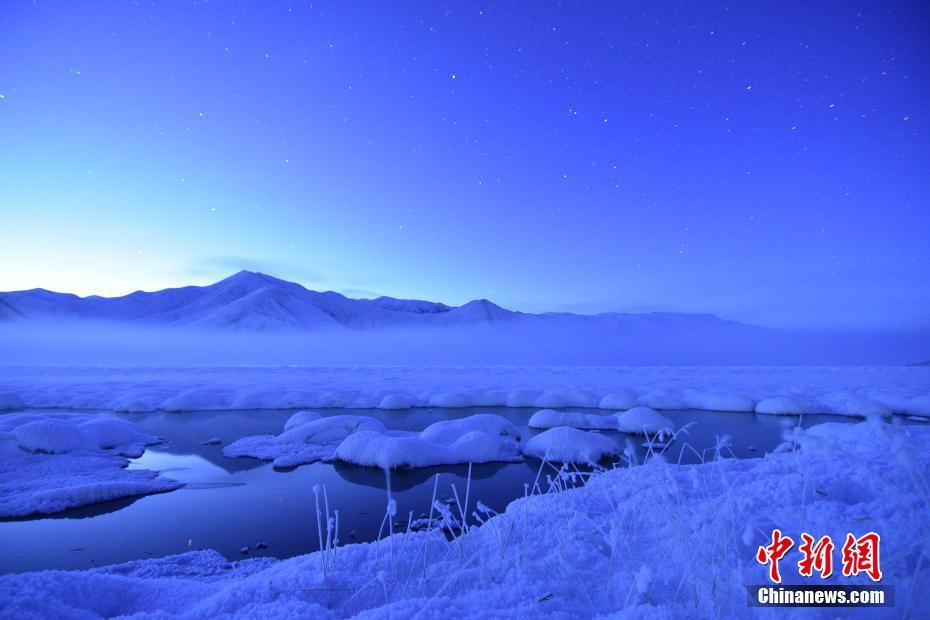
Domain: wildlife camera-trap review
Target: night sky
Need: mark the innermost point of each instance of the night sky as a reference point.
(764, 161)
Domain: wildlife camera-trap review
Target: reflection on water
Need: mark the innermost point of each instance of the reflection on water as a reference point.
(229, 504)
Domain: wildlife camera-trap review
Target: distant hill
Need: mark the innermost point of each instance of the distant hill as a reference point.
(255, 318)
(257, 302)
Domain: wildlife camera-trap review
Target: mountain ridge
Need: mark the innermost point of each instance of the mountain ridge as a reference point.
(251, 300)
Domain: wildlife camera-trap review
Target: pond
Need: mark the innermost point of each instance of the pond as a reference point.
(230, 504)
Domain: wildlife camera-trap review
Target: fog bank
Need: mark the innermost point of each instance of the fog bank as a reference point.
(85, 343)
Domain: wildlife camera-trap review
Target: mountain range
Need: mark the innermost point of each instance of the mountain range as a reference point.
(253, 301)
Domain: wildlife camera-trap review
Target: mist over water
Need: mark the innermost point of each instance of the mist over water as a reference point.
(503, 343)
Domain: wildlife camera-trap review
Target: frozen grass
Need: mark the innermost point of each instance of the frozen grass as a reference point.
(711, 557)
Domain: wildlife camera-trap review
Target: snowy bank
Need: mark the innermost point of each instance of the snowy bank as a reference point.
(53, 462)
(836, 389)
(653, 541)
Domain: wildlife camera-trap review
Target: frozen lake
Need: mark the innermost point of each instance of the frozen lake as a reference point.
(228, 503)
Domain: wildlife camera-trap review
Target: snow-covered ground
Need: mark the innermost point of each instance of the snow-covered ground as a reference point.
(653, 540)
(650, 541)
(859, 391)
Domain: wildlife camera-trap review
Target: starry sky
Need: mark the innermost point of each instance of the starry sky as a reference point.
(766, 162)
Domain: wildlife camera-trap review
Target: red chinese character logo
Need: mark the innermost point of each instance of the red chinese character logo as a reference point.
(860, 555)
(774, 552)
(817, 557)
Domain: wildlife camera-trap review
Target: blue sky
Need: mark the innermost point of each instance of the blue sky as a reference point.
(768, 162)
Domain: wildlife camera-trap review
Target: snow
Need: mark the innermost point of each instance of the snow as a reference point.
(364, 440)
(60, 433)
(660, 400)
(10, 401)
(627, 544)
(450, 400)
(409, 450)
(785, 405)
(862, 408)
(550, 418)
(901, 389)
(53, 462)
(245, 301)
(619, 400)
(396, 401)
(50, 436)
(112, 433)
(550, 399)
(644, 421)
(521, 398)
(917, 406)
(304, 440)
(709, 401)
(565, 444)
(300, 418)
(445, 431)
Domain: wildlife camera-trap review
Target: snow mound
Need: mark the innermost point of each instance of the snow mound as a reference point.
(196, 399)
(63, 433)
(306, 441)
(51, 437)
(619, 400)
(564, 444)
(550, 418)
(865, 408)
(392, 451)
(644, 421)
(396, 401)
(329, 429)
(785, 405)
(708, 401)
(108, 433)
(374, 449)
(53, 462)
(481, 438)
(522, 398)
(300, 418)
(446, 431)
(134, 402)
(10, 401)
(660, 400)
(450, 400)
(550, 400)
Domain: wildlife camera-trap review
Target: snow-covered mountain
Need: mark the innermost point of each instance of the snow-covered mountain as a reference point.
(277, 322)
(257, 302)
